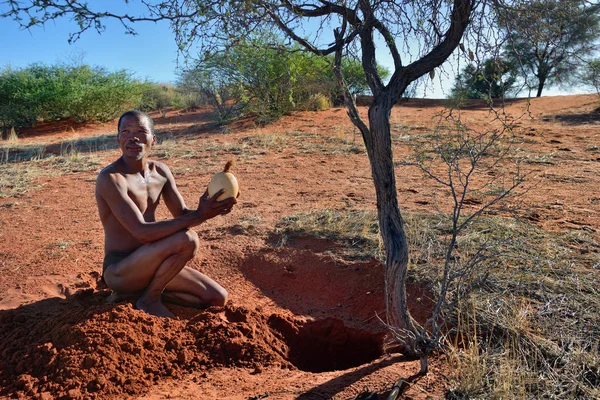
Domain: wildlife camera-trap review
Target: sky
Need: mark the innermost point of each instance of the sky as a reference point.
(151, 55)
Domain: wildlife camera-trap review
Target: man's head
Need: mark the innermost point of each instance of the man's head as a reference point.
(135, 134)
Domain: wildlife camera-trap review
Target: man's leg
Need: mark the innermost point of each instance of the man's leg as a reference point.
(154, 265)
(192, 288)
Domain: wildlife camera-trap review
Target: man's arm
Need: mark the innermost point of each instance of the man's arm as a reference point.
(171, 196)
(113, 190)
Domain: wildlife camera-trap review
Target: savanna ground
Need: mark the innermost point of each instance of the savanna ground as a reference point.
(301, 260)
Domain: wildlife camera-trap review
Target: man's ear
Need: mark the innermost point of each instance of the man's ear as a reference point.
(153, 139)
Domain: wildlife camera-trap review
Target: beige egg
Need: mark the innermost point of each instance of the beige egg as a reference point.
(224, 180)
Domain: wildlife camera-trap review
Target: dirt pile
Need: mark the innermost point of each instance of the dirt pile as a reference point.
(84, 347)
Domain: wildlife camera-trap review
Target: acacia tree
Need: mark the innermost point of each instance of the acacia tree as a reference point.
(549, 39)
(435, 28)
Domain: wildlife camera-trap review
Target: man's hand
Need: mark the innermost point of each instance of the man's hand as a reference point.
(209, 207)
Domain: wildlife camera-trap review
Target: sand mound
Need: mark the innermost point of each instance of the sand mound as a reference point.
(83, 347)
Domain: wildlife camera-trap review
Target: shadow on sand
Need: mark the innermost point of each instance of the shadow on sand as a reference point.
(329, 389)
(592, 117)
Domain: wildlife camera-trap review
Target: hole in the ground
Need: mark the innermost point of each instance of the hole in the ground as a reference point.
(327, 345)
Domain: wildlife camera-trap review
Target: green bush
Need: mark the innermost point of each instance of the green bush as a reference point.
(157, 96)
(40, 92)
(492, 80)
(23, 97)
(270, 79)
(93, 94)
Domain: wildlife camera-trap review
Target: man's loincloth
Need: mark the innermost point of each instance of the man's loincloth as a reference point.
(112, 258)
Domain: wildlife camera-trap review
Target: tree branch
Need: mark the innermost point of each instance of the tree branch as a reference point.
(460, 18)
(369, 61)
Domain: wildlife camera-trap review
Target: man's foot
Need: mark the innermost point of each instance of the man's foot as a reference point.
(154, 307)
(173, 299)
(119, 297)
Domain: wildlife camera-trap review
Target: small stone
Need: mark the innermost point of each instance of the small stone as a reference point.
(24, 382)
(89, 362)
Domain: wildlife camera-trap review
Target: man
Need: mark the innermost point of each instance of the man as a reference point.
(143, 255)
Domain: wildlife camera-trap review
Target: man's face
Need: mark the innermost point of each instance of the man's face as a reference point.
(135, 137)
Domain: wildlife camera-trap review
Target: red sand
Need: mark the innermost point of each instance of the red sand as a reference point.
(301, 322)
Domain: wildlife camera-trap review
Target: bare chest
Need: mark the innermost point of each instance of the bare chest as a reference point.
(145, 193)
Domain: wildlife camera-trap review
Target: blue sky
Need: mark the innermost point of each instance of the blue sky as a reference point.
(152, 54)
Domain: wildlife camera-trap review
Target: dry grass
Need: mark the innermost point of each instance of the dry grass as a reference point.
(22, 164)
(528, 328)
(253, 146)
(356, 231)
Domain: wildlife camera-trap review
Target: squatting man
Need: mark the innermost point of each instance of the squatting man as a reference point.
(143, 256)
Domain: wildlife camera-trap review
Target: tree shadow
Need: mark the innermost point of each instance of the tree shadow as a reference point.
(47, 128)
(338, 384)
(176, 124)
(33, 152)
(464, 104)
(592, 117)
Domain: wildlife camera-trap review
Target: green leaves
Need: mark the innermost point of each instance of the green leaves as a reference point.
(271, 78)
(491, 80)
(41, 92)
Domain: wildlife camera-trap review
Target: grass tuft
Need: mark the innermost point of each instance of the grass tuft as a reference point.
(22, 164)
(357, 231)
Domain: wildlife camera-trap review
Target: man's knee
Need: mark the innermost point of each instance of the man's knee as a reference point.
(189, 241)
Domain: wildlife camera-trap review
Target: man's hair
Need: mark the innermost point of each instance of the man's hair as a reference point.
(137, 114)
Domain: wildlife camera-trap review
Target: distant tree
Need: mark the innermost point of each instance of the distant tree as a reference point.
(156, 97)
(549, 39)
(590, 74)
(269, 79)
(494, 79)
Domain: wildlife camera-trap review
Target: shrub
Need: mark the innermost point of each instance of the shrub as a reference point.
(94, 94)
(317, 102)
(86, 93)
(157, 96)
(492, 80)
(22, 97)
(270, 80)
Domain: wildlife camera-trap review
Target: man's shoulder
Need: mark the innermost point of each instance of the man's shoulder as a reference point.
(107, 171)
(111, 175)
(160, 167)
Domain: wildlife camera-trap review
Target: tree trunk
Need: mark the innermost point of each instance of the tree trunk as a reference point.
(540, 87)
(390, 219)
